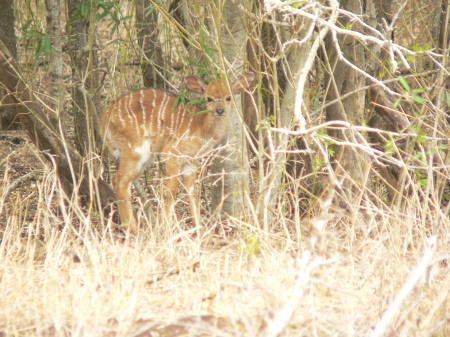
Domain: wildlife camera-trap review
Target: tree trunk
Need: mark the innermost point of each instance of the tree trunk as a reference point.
(444, 34)
(194, 20)
(55, 64)
(70, 166)
(152, 63)
(350, 164)
(229, 191)
(86, 96)
(292, 65)
(7, 34)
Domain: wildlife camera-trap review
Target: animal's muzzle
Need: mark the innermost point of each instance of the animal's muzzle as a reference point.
(220, 112)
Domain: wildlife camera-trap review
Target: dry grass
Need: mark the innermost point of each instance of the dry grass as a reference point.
(62, 276)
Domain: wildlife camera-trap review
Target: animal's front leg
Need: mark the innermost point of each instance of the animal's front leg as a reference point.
(172, 172)
(189, 177)
(122, 187)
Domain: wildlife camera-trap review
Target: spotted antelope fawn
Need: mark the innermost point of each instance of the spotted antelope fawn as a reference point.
(143, 124)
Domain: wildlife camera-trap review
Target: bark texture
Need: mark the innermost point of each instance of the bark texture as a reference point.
(350, 164)
(85, 72)
(228, 193)
(55, 63)
(7, 113)
(152, 64)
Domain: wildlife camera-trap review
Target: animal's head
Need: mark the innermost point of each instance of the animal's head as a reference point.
(218, 92)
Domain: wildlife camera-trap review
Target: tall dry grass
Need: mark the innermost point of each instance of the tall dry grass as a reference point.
(62, 275)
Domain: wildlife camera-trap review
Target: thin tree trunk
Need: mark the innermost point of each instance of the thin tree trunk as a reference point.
(194, 20)
(152, 64)
(293, 63)
(86, 96)
(350, 164)
(55, 64)
(7, 113)
(232, 163)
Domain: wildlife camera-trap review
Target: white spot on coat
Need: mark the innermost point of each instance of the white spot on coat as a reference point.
(145, 153)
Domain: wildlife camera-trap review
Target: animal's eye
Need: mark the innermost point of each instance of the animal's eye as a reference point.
(228, 99)
(210, 99)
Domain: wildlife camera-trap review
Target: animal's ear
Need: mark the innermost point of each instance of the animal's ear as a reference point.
(195, 84)
(242, 82)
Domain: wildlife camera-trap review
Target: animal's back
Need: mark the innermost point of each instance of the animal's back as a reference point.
(145, 115)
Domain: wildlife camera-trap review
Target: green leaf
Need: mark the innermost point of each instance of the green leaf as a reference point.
(252, 245)
(418, 99)
(421, 138)
(410, 58)
(297, 4)
(331, 152)
(47, 45)
(26, 25)
(418, 155)
(423, 182)
(348, 25)
(210, 51)
(39, 49)
(175, 103)
(201, 112)
(397, 102)
(191, 61)
(197, 101)
(405, 84)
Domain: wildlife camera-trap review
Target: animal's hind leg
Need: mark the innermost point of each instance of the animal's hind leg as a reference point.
(126, 173)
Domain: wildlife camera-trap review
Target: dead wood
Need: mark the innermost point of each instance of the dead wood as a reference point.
(383, 106)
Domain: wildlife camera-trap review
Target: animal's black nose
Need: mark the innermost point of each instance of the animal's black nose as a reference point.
(220, 112)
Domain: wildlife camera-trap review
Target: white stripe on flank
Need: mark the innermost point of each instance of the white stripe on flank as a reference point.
(161, 110)
(133, 114)
(125, 112)
(144, 115)
(124, 101)
(117, 112)
(152, 111)
(188, 129)
(148, 113)
(183, 115)
(173, 118)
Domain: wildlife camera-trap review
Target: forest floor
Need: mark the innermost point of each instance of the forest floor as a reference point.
(60, 275)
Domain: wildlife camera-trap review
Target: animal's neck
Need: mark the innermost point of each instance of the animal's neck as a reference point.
(214, 127)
